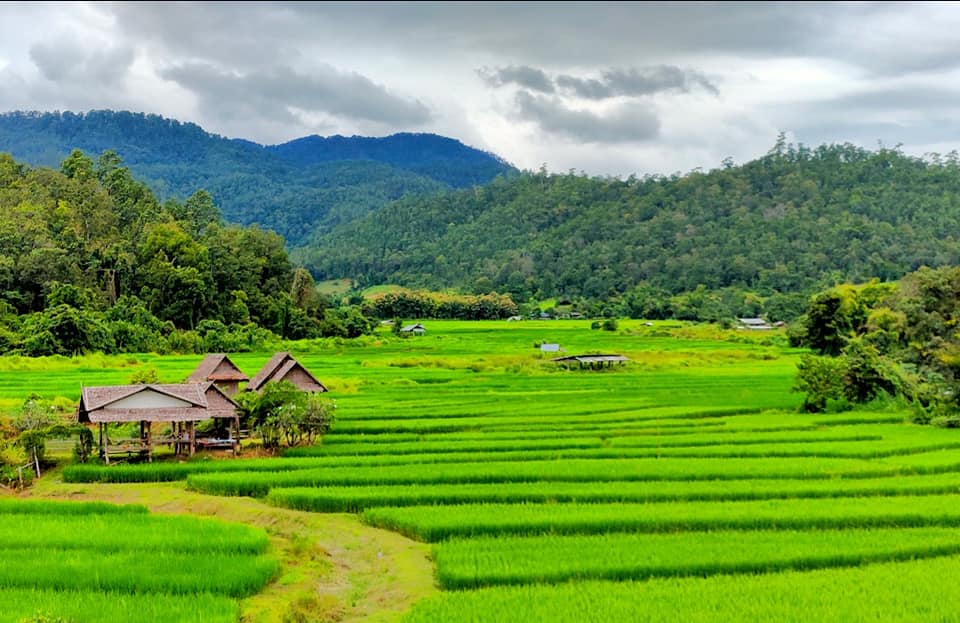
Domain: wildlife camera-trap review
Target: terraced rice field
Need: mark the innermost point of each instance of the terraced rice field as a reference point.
(99, 562)
(683, 487)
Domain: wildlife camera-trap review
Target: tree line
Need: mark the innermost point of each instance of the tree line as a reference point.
(91, 260)
(757, 238)
(874, 339)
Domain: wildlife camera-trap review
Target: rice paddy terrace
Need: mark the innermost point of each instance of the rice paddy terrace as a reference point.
(684, 486)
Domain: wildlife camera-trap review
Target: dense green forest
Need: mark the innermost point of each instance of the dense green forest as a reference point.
(91, 260)
(294, 188)
(886, 338)
(738, 239)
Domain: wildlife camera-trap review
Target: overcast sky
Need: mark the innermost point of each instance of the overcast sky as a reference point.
(606, 88)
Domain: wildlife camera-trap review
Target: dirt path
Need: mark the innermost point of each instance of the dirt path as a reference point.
(334, 567)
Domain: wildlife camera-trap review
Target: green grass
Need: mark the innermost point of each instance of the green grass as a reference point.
(470, 430)
(436, 523)
(898, 592)
(474, 563)
(134, 571)
(122, 532)
(19, 604)
(566, 470)
(68, 552)
(49, 507)
(358, 498)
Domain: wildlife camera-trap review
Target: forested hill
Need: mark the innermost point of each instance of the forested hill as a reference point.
(294, 188)
(789, 222)
(437, 157)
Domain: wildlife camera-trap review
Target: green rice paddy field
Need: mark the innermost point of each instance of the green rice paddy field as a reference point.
(684, 486)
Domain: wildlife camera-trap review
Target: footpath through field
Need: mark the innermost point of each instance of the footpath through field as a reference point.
(334, 568)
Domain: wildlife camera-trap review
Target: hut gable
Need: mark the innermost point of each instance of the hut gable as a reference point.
(283, 367)
(219, 403)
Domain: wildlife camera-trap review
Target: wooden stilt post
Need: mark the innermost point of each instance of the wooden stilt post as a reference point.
(191, 434)
(103, 450)
(236, 435)
(149, 441)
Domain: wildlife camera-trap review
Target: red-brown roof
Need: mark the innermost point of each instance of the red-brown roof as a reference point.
(217, 367)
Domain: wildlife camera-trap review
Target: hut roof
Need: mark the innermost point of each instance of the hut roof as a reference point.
(100, 397)
(267, 371)
(217, 367)
(413, 327)
(593, 358)
(279, 366)
(189, 402)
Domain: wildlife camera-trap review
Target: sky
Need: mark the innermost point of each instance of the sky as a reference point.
(604, 88)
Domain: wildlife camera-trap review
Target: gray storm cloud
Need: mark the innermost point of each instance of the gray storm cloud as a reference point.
(69, 61)
(271, 94)
(629, 82)
(637, 82)
(520, 75)
(628, 123)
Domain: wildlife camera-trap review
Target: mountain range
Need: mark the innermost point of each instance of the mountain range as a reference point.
(295, 188)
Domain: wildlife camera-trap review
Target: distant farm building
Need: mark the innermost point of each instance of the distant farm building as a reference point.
(415, 329)
(221, 371)
(754, 324)
(514, 318)
(179, 406)
(283, 367)
(592, 361)
(549, 348)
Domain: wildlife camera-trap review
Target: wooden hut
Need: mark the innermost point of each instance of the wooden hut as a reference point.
(592, 361)
(283, 367)
(415, 329)
(179, 406)
(221, 371)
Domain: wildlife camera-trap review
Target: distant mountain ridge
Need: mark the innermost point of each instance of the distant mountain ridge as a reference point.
(438, 157)
(295, 188)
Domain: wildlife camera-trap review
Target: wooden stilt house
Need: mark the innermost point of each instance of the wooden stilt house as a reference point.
(180, 407)
(283, 367)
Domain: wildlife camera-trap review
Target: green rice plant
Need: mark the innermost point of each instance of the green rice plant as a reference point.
(436, 523)
(130, 532)
(447, 446)
(898, 592)
(554, 440)
(51, 507)
(19, 604)
(570, 470)
(136, 572)
(358, 498)
(473, 563)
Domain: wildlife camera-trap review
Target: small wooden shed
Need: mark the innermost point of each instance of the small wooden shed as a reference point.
(415, 329)
(181, 406)
(283, 367)
(221, 371)
(592, 361)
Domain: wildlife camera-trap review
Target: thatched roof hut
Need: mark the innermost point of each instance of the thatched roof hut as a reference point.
(181, 406)
(283, 367)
